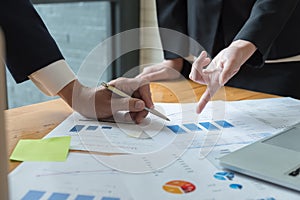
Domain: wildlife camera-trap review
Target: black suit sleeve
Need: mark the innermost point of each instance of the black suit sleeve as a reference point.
(266, 21)
(29, 45)
(172, 14)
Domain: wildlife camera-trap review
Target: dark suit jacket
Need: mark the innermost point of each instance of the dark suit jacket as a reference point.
(29, 46)
(272, 25)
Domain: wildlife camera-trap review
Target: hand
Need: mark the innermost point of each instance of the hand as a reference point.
(167, 70)
(223, 67)
(137, 88)
(197, 74)
(100, 103)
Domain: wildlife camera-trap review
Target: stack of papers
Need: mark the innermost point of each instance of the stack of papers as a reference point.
(158, 159)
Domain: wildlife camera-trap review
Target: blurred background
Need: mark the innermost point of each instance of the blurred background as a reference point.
(78, 26)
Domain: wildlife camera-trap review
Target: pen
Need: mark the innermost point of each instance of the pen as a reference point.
(123, 94)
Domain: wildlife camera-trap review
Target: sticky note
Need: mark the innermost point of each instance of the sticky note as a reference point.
(49, 149)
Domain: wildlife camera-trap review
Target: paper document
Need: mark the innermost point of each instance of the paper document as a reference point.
(194, 178)
(190, 177)
(234, 126)
(80, 177)
(151, 135)
(180, 157)
(220, 124)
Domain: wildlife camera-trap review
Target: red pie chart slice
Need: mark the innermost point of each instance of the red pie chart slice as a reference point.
(179, 187)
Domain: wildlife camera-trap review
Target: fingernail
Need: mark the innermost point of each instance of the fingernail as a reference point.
(139, 105)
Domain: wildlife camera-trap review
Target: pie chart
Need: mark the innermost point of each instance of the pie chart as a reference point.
(179, 187)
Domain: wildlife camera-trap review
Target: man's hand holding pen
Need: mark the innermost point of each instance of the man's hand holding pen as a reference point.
(101, 103)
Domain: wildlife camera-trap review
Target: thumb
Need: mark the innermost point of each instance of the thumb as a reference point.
(226, 75)
(136, 105)
(128, 104)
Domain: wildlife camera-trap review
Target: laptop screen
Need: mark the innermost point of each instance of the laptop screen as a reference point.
(3, 151)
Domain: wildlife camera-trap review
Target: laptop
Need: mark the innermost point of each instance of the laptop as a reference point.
(3, 151)
(275, 159)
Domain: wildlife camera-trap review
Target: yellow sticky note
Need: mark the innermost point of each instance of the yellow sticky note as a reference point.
(49, 149)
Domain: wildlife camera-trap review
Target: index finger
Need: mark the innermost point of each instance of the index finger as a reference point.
(206, 96)
(145, 94)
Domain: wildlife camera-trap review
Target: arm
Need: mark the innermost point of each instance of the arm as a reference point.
(29, 45)
(172, 21)
(33, 53)
(172, 14)
(266, 21)
(251, 44)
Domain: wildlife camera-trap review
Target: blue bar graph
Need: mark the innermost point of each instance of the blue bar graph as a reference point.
(91, 128)
(59, 196)
(209, 126)
(176, 129)
(77, 128)
(33, 195)
(110, 198)
(84, 197)
(192, 127)
(37, 195)
(224, 124)
(106, 127)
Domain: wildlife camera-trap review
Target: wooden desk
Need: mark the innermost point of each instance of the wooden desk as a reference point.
(37, 120)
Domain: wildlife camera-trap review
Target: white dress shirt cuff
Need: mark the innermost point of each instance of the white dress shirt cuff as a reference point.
(52, 78)
(289, 59)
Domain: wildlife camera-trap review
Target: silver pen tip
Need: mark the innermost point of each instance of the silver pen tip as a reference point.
(104, 84)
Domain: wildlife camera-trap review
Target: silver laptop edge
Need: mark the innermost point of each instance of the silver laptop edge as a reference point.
(275, 159)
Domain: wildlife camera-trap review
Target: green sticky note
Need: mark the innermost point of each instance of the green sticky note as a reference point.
(49, 149)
